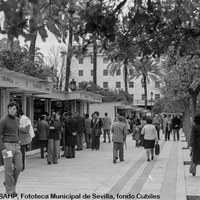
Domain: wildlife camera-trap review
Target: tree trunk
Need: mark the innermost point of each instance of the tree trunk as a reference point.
(95, 60)
(194, 104)
(69, 53)
(10, 42)
(126, 75)
(145, 89)
(32, 47)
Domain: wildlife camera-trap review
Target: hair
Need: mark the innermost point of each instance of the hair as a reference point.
(46, 113)
(97, 113)
(58, 112)
(120, 118)
(106, 114)
(43, 117)
(69, 114)
(20, 112)
(11, 104)
(197, 118)
(149, 120)
(86, 115)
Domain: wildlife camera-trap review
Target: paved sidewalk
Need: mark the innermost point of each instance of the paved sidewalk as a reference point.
(93, 173)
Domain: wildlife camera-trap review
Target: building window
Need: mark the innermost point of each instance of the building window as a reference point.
(105, 72)
(105, 59)
(80, 72)
(118, 84)
(80, 60)
(130, 71)
(157, 84)
(92, 60)
(157, 96)
(92, 72)
(105, 84)
(143, 97)
(118, 72)
(131, 84)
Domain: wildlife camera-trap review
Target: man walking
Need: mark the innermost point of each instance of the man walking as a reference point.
(176, 125)
(10, 148)
(106, 127)
(119, 131)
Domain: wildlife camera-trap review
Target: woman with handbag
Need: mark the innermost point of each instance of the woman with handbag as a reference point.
(150, 136)
(195, 144)
(96, 125)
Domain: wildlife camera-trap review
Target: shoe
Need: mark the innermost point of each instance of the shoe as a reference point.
(148, 160)
(63, 155)
(49, 163)
(4, 184)
(122, 160)
(193, 174)
(104, 141)
(87, 147)
(152, 157)
(68, 157)
(109, 141)
(55, 162)
(114, 160)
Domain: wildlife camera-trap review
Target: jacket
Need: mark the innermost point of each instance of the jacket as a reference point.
(176, 123)
(149, 132)
(96, 125)
(56, 132)
(43, 130)
(70, 128)
(119, 131)
(24, 128)
(88, 129)
(80, 124)
(195, 144)
(106, 123)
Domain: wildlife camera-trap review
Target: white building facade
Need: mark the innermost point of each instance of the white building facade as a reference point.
(82, 70)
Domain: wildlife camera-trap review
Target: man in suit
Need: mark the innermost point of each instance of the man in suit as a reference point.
(106, 127)
(70, 135)
(176, 125)
(96, 125)
(80, 129)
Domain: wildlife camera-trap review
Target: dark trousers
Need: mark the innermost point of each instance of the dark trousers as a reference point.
(193, 168)
(23, 151)
(43, 144)
(176, 133)
(158, 132)
(79, 140)
(167, 135)
(70, 151)
(118, 147)
(88, 140)
(106, 132)
(95, 142)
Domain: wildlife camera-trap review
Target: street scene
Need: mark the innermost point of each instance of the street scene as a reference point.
(99, 99)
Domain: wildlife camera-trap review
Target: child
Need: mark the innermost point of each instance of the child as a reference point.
(136, 136)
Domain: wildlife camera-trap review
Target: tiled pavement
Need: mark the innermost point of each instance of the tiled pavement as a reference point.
(93, 173)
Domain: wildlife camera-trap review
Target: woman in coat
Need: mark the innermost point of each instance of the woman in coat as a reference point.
(88, 131)
(195, 144)
(150, 136)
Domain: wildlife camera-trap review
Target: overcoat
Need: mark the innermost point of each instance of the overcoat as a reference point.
(43, 130)
(195, 144)
(70, 128)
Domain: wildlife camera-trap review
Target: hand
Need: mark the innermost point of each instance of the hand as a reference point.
(190, 148)
(74, 134)
(4, 152)
(51, 127)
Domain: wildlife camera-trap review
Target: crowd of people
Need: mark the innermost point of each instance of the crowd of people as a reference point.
(68, 130)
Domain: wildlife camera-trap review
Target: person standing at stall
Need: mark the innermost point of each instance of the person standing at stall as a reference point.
(70, 135)
(54, 139)
(106, 127)
(10, 148)
(43, 133)
(88, 131)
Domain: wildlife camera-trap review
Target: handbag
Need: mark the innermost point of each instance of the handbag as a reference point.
(157, 149)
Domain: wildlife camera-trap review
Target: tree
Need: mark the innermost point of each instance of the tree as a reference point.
(148, 69)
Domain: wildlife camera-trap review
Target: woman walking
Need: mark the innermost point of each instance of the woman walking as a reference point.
(195, 144)
(54, 139)
(150, 136)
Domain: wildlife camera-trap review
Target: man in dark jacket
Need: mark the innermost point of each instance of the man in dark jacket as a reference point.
(70, 135)
(80, 129)
(176, 125)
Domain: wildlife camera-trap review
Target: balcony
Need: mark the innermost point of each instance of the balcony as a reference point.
(140, 102)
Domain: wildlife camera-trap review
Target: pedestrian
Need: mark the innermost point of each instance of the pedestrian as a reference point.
(150, 136)
(157, 122)
(119, 131)
(195, 144)
(43, 134)
(64, 118)
(24, 134)
(70, 135)
(176, 125)
(137, 135)
(106, 122)
(128, 124)
(80, 129)
(55, 127)
(10, 148)
(168, 128)
(96, 125)
(88, 131)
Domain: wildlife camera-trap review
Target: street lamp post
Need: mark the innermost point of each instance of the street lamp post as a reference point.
(151, 101)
